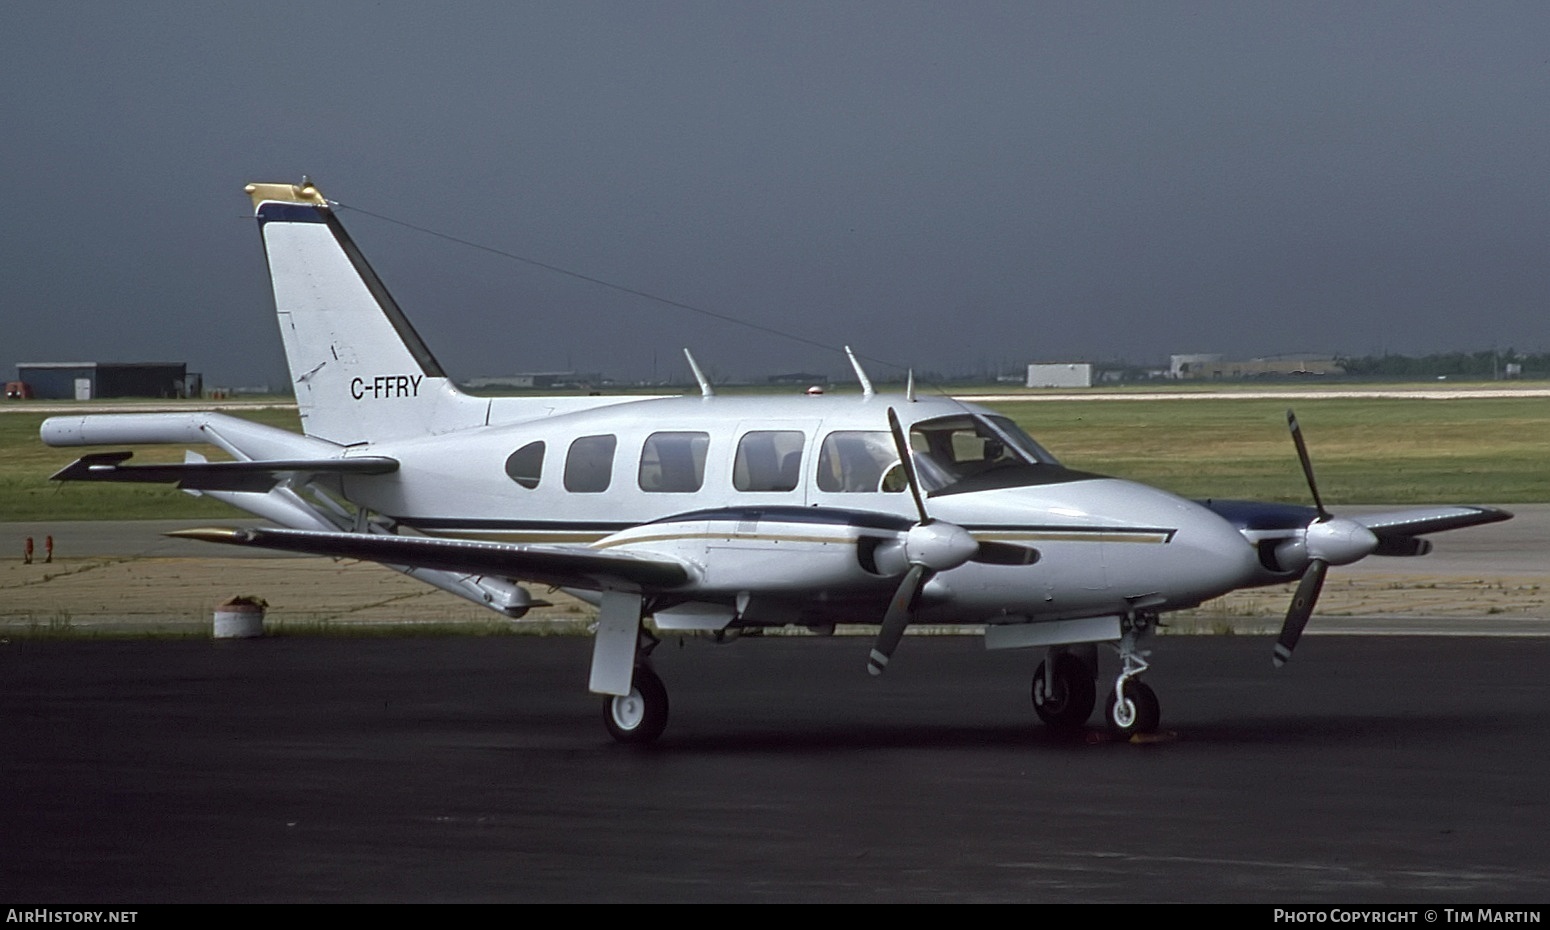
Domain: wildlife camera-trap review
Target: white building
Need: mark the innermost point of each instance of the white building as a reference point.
(1060, 375)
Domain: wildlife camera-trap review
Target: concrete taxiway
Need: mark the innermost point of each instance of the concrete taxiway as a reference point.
(1391, 768)
(1401, 770)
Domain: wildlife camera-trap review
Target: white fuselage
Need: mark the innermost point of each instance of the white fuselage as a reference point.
(1105, 545)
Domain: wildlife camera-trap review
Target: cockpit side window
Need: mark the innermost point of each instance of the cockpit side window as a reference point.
(852, 461)
(768, 460)
(589, 464)
(526, 465)
(673, 462)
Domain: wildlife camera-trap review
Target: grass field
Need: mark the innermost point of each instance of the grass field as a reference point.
(1494, 450)
(1364, 450)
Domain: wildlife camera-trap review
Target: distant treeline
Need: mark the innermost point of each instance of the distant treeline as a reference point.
(1474, 366)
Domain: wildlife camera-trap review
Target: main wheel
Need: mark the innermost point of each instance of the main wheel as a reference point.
(641, 715)
(1137, 713)
(1068, 704)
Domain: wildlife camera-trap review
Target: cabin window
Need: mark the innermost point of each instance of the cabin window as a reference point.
(858, 460)
(768, 460)
(673, 462)
(589, 464)
(526, 465)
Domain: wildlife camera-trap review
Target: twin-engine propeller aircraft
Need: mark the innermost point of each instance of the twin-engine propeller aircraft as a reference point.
(719, 515)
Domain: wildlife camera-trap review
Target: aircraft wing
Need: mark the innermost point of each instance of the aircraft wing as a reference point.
(1421, 520)
(565, 566)
(257, 476)
(1399, 532)
(1261, 520)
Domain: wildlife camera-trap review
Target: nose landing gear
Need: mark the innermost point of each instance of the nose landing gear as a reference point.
(1132, 706)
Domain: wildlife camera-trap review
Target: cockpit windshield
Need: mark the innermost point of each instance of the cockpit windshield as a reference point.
(950, 449)
(947, 450)
(1027, 444)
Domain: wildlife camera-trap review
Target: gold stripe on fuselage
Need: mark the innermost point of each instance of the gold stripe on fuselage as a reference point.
(1046, 536)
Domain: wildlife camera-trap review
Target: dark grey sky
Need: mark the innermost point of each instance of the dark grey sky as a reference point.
(952, 186)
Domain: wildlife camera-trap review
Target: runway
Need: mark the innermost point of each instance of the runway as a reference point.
(1370, 769)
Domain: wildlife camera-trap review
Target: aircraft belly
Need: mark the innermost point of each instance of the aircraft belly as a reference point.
(997, 601)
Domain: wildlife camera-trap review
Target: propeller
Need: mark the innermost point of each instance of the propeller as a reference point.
(1328, 540)
(930, 546)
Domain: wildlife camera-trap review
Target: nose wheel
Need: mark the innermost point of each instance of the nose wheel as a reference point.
(1134, 712)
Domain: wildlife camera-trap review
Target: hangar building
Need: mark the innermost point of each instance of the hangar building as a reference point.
(89, 380)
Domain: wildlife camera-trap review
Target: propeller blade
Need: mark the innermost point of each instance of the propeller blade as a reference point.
(901, 444)
(1307, 464)
(1302, 608)
(900, 609)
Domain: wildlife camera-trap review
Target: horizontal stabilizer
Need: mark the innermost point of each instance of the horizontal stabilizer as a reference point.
(566, 566)
(1401, 523)
(218, 476)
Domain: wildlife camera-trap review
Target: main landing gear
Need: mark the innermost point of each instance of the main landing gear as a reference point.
(640, 716)
(1065, 691)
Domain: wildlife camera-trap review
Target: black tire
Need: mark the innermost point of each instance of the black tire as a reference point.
(1142, 715)
(1073, 697)
(641, 716)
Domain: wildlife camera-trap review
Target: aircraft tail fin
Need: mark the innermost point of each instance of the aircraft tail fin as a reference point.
(360, 371)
